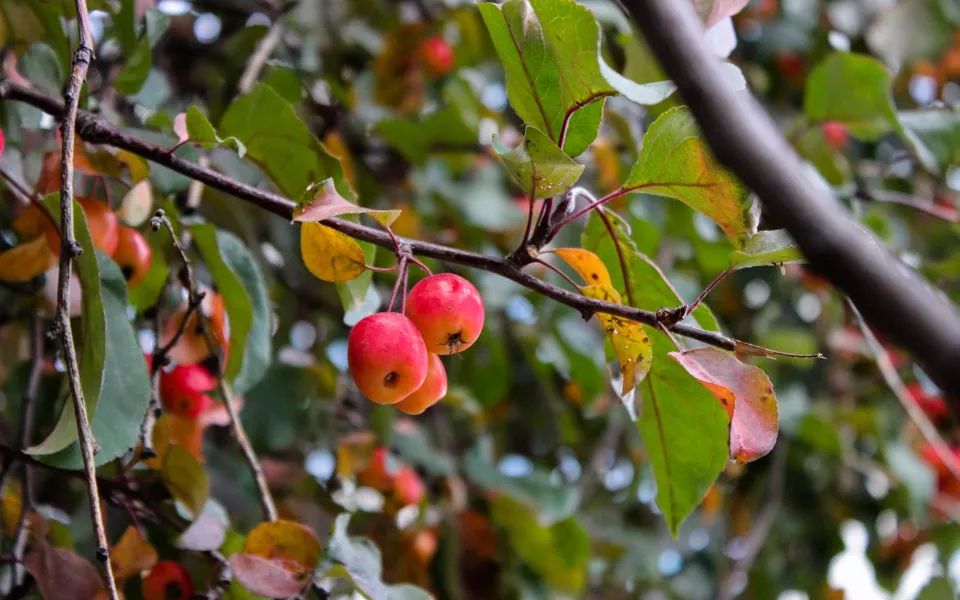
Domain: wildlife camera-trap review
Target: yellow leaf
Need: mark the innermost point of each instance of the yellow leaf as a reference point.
(132, 555)
(587, 264)
(25, 261)
(285, 540)
(10, 509)
(354, 451)
(137, 205)
(337, 147)
(606, 160)
(161, 442)
(329, 254)
(630, 342)
(185, 479)
(139, 168)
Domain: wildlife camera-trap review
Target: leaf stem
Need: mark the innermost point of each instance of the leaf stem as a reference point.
(595, 203)
(556, 270)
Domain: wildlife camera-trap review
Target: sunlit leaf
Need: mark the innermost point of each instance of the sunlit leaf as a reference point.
(675, 162)
(772, 247)
(539, 165)
(629, 339)
(746, 394)
(587, 264)
(206, 533)
(285, 540)
(192, 126)
(132, 554)
(280, 143)
(321, 201)
(329, 254)
(25, 261)
(549, 52)
(137, 204)
(185, 478)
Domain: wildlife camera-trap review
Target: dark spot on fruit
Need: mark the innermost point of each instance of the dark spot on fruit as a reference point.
(127, 272)
(173, 591)
(391, 379)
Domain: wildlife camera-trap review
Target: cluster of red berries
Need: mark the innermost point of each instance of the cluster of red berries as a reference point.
(393, 358)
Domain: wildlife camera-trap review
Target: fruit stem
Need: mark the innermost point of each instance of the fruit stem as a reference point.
(401, 277)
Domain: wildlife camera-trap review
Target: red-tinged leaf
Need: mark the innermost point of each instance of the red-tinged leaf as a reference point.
(285, 540)
(273, 578)
(132, 555)
(745, 392)
(322, 201)
(61, 574)
(25, 261)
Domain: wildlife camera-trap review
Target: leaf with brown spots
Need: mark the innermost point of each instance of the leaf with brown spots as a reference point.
(587, 264)
(675, 162)
(746, 394)
(323, 201)
(630, 342)
(329, 254)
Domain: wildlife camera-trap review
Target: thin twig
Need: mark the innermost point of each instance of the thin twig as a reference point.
(891, 197)
(27, 410)
(97, 130)
(69, 249)
(620, 257)
(154, 410)
(927, 429)
(24, 194)
(556, 270)
(260, 55)
(531, 208)
(729, 588)
(266, 499)
(706, 292)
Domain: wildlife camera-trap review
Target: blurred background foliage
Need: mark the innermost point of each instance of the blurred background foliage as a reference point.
(536, 481)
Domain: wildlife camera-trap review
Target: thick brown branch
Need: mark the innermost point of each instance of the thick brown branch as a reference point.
(69, 249)
(893, 298)
(96, 130)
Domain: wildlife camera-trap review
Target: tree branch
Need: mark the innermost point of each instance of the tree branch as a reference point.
(69, 249)
(96, 130)
(892, 297)
(27, 410)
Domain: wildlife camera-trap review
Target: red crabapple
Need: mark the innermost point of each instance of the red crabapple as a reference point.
(387, 357)
(133, 255)
(433, 389)
(836, 134)
(437, 55)
(101, 222)
(448, 311)
(167, 580)
(183, 389)
(408, 488)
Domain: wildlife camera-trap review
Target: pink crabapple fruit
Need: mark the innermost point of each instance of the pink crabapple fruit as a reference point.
(433, 389)
(448, 311)
(387, 357)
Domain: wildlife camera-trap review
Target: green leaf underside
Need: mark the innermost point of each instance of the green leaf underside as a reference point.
(649, 286)
(676, 163)
(551, 66)
(125, 393)
(685, 432)
(92, 339)
(244, 294)
(280, 143)
(766, 248)
(538, 165)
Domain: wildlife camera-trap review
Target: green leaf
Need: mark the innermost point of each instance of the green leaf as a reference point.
(650, 289)
(241, 285)
(939, 130)
(766, 248)
(137, 68)
(676, 163)
(92, 353)
(125, 392)
(685, 433)
(549, 52)
(185, 478)
(832, 164)
(539, 165)
(853, 89)
(939, 588)
(559, 552)
(359, 560)
(414, 140)
(197, 129)
(280, 143)
(552, 501)
(919, 479)
(41, 65)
